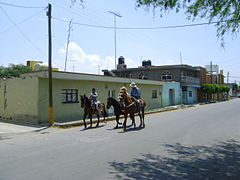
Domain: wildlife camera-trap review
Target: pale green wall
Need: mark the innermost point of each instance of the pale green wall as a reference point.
(73, 111)
(165, 93)
(18, 98)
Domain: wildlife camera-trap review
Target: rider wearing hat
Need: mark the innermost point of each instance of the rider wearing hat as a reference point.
(93, 97)
(135, 94)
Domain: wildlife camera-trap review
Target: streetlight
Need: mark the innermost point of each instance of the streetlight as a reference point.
(115, 34)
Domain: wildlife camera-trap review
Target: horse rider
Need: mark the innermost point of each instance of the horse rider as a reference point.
(136, 95)
(93, 97)
(123, 90)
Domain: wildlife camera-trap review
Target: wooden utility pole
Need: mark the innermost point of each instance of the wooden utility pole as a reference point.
(50, 108)
(227, 77)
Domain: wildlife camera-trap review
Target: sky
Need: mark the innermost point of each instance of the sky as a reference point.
(24, 36)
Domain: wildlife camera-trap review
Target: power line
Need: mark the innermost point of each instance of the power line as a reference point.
(21, 6)
(28, 18)
(143, 28)
(82, 24)
(22, 33)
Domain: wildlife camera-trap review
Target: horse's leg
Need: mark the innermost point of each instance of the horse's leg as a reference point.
(117, 120)
(98, 120)
(143, 116)
(125, 122)
(141, 119)
(133, 119)
(90, 116)
(84, 117)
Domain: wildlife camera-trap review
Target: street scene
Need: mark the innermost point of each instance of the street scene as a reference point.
(121, 89)
(201, 142)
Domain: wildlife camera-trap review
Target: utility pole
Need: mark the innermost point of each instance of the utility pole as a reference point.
(115, 35)
(50, 109)
(69, 30)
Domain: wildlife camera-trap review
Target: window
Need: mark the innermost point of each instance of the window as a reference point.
(111, 93)
(166, 76)
(70, 96)
(154, 94)
(190, 93)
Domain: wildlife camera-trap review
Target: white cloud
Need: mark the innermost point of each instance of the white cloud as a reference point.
(86, 63)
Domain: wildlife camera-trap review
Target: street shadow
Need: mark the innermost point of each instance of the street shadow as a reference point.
(93, 127)
(220, 162)
(131, 129)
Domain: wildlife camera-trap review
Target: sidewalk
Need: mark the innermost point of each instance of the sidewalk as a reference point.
(15, 128)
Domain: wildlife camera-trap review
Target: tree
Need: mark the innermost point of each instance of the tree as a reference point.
(225, 12)
(13, 70)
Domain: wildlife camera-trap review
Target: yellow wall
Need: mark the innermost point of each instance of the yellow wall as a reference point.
(18, 99)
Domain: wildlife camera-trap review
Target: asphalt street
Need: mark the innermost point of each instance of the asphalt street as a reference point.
(195, 143)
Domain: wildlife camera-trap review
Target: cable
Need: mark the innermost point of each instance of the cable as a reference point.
(22, 33)
(143, 28)
(82, 24)
(28, 18)
(20, 6)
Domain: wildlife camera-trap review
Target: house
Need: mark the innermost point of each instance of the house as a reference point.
(189, 77)
(25, 98)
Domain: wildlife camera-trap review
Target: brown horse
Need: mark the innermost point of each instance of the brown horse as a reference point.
(90, 110)
(131, 108)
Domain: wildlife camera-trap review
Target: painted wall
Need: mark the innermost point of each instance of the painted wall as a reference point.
(165, 93)
(18, 99)
(192, 95)
(73, 111)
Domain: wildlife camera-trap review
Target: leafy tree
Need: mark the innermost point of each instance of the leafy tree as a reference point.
(225, 12)
(13, 70)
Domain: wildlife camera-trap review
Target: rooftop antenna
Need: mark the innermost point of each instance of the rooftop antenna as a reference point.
(115, 34)
(181, 58)
(69, 30)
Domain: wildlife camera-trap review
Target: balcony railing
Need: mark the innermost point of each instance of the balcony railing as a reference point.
(188, 80)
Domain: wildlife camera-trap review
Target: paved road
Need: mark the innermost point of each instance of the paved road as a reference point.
(195, 143)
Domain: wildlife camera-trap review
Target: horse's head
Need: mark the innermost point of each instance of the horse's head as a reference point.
(123, 96)
(83, 100)
(109, 102)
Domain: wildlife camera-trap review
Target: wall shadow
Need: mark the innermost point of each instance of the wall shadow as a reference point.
(220, 162)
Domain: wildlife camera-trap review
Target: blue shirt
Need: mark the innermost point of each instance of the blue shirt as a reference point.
(135, 92)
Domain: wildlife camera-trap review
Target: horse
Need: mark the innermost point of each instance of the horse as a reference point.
(117, 109)
(90, 110)
(131, 108)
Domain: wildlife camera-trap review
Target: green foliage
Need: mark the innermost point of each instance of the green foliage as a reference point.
(13, 70)
(214, 88)
(225, 12)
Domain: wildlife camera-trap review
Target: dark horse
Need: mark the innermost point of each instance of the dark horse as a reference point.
(90, 110)
(131, 108)
(117, 109)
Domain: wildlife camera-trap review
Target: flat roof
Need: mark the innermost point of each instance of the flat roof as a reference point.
(91, 77)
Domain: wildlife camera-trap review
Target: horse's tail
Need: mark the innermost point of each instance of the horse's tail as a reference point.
(105, 114)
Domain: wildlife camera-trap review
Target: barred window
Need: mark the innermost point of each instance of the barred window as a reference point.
(154, 94)
(70, 96)
(166, 76)
(111, 93)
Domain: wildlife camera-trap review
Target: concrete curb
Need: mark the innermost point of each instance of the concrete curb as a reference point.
(112, 118)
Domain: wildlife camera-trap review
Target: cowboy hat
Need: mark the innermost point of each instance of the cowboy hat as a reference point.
(133, 85)
(123, 89)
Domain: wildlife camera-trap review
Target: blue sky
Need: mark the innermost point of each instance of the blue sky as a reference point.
(23, 35)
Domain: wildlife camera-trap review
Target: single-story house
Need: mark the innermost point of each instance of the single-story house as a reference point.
(25, 98)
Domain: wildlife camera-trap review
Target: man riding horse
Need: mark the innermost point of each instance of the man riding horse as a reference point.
(93, 98)
(136, 95)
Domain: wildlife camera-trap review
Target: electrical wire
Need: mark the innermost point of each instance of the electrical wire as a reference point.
(23, 21)
(143, 28)
(20, 6)
(22, 33)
